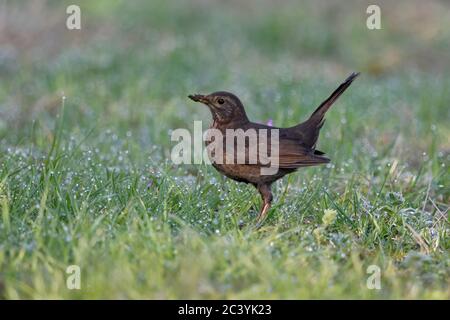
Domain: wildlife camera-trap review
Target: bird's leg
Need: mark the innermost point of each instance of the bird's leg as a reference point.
(266, 195)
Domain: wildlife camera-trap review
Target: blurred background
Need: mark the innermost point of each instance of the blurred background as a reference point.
(132, 63)
(85, 171)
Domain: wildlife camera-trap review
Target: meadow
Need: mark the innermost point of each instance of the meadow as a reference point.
(86, 177)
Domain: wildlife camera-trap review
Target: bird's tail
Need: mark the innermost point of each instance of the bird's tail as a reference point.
(311, 127)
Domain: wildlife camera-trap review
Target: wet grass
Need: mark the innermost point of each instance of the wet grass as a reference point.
(86, 177)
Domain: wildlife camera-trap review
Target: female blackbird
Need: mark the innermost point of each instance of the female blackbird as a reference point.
(295, 145)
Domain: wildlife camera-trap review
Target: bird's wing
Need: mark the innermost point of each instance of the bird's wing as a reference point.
(291, 154)
(284, 152)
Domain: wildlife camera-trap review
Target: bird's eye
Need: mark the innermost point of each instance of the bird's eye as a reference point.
(221, 101)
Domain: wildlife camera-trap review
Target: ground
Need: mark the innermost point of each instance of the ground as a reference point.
(85, 171)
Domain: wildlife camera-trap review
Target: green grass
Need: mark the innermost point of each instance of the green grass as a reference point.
(75, 173)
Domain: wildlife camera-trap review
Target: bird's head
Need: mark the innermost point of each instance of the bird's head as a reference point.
(225, 107)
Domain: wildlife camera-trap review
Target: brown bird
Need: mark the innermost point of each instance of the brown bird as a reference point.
(296, 145)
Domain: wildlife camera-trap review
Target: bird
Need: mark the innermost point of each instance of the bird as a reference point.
(296, 145)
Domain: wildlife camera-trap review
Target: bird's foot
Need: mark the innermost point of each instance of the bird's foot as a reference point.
(258, 225)
(262, 215)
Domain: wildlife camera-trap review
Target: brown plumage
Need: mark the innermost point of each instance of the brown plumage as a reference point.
(296, 145)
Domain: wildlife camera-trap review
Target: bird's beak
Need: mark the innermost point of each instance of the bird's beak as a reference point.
(198, 98)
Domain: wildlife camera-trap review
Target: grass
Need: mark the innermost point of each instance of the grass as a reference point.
(86, 177)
